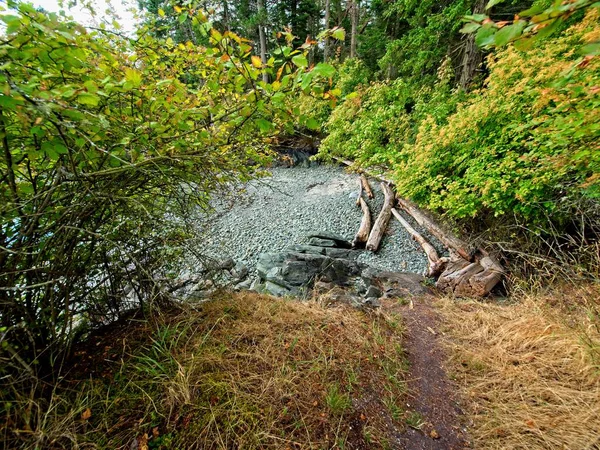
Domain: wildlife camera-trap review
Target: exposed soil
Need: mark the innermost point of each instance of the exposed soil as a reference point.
(432, 395)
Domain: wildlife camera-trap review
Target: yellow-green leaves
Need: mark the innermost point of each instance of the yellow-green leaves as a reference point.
(133, 76)
(88, 99)
(300, 61)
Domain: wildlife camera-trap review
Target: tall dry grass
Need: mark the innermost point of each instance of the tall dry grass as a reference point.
(530, 370)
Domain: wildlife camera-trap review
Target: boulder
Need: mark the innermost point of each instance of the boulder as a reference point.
(396, 284)
(318, 242)
(340, 241)
(266, 261)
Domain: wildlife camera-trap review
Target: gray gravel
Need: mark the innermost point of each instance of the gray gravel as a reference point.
(279, 211)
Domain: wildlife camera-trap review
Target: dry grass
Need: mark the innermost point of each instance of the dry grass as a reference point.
(243, 371)
(530, 371)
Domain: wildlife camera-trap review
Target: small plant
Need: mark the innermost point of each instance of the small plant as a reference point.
(338, 402)
(414, 420)
(390, 403)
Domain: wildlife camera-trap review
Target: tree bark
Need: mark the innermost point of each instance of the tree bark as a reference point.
(365, 225)
(365, 185)
(382, 220)
(472, 56)
(354, 29)
(327, 19)
(262, 38)
(435, 264)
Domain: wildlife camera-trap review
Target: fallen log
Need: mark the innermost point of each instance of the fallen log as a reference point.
(484, 271)
(448, 239)
(382, 219)
(365, 185)
(377, 176)
(436, 265)
(365, 225)
(360, 191)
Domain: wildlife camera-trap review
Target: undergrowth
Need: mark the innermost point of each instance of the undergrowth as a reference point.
(529, 371)
(242, 371)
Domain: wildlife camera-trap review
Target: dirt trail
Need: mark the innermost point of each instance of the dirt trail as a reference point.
(432, 395)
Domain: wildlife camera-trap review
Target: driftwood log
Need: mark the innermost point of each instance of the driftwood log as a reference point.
(365, 225)
(448, 239)
(436, 265)
(360, 191)
(382, 219)
(365, 185)
(471, 272)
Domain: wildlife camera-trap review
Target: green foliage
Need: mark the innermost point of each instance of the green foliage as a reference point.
(105, 140)
(373, 126)
(524, 147)
(429, 29)
(538, 22)
(352, 73)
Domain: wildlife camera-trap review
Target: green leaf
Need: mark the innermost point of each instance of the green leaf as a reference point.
(524, 44)
(470, 27)
(312, 124)
(592, 49)
(88, 99)
(134, 76)
(550, 29)
(325, 70)
(90, 86)
(536, 9)
(300, 61)
(485, 36)
(264, 125)
(339, 34)
(509, 33)
(492, 3)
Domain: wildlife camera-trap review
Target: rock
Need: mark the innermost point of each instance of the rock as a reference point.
(396, 284)
(340, 241)
(266, 261)
(240, 270)
(372, 302)
(321, 287)
(244, 285)
(308, 249)
(257, 285)
(341, 253)
(318, 242)
(225, 264)
(277, 290)
(373, 291)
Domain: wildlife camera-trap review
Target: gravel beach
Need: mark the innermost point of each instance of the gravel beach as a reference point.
(276, 212)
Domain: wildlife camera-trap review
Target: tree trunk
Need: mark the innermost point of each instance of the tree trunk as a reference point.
(472, 56)
(226, 15)
(382, 220)
(327, 19)
(262, 38)
(365, 225)
(354, 32)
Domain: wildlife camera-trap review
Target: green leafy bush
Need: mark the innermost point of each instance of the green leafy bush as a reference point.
(526, 146)
(107, 143)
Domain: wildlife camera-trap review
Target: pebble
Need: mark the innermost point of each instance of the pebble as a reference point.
(276, 212)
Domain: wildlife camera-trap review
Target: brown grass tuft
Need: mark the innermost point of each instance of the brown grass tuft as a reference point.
(530, 371)
(241, 371)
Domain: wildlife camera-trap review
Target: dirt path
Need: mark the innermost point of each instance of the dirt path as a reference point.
(432, 395)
